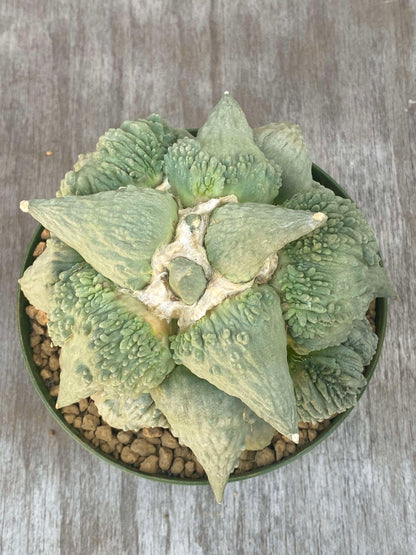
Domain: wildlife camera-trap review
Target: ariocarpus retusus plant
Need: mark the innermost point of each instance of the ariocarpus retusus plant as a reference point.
(206, 284)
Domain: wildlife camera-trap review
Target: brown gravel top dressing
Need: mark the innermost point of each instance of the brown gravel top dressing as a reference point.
(152, 450)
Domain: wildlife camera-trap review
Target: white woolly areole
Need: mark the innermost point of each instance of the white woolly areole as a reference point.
(164, 186)
(294, 437)
(189, 243)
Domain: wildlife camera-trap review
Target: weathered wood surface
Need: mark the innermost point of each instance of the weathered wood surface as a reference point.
(345, 70)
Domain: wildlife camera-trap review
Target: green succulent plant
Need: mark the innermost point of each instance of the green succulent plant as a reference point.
(206, 284)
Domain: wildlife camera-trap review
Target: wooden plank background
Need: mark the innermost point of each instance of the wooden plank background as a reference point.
(344, 70)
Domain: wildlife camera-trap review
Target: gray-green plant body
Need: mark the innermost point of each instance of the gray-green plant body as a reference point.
(253, 233)
(222, 160)
(284, 144)
(230, 348)
(206, 284)
(187, 279)
(216, 426)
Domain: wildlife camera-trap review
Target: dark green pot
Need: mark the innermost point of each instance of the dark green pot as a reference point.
(34, 372)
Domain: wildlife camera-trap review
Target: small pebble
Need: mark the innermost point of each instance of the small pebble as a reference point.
(113, 443)
(45, 234)
(168, 440)
(49, 153)
(245, 466)
(303, 425)
(46, 374)
(312, 434)
(264, 457)
(177, 466)
(40, 247)
(46, 348)
(247, 455)
(54, 362)
(69, 418)
(276, 436)
(90, 422)
(149, 465)
(31, 311)
(71, 409)
(154, 440)
(95, 442)
(142, 447)
(77, 422)
(189, 468)
(165, 458)
(37, 359)
(83, 405)
(290, 448)
(92, 409)
(38, 329)
(183, 452)
(41, 318)
(199, 469)
(128, 456)
(152, 432)
(124, 437)
(35, 339)
(105, 447)
(54, 390)
(104, 433)
(279, 449)
(89, 434)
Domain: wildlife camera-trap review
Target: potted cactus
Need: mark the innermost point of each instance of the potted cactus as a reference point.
(206, 284)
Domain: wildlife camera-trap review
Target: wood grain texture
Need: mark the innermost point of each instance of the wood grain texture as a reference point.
(69, 70)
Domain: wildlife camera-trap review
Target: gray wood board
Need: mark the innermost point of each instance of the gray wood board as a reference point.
(344, 70)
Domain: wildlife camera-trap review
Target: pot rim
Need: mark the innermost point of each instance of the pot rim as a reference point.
(23, 324)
